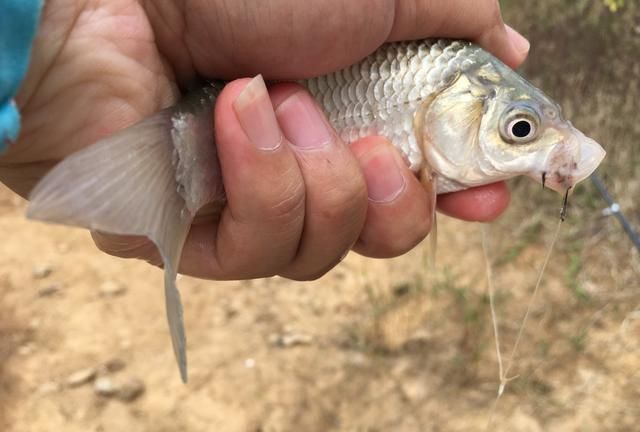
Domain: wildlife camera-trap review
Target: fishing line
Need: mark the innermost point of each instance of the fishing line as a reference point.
(502, 370)
(490, 287)
(531, 301)
(614, 209)
(494, 319)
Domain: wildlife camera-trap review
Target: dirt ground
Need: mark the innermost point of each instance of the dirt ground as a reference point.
(374, 345)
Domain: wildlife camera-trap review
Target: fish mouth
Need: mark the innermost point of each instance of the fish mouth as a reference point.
(591, 155)
(573, 160)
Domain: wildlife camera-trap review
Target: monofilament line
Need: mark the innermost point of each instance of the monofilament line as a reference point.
(490, 287)
(494, 320)
(504, 372)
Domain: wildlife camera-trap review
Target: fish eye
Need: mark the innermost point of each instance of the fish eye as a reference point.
(520, 126)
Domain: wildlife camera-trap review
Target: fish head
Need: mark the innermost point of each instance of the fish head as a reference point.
(490, 124)
(524, 132)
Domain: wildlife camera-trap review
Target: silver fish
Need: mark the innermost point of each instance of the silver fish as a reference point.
(460, 117)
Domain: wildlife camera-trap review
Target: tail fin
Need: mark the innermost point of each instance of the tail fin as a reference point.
(125, 184)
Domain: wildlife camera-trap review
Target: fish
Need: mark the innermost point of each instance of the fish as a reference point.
(458, 115)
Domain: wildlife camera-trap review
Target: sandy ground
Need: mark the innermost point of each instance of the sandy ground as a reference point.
(372, 346)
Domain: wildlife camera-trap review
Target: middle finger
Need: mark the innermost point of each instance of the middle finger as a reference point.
(336, 194)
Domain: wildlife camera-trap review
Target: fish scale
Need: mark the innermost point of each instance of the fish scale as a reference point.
(380, 95)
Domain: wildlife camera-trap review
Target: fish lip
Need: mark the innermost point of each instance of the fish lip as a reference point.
(591, 155)
(571, 161)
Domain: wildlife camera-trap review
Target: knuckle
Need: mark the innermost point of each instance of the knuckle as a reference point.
(312, 274)
(310, 277)
(335, 217)
(395, 239)
(287, 206)
(281, 204)
(338, 189)
(249, 262)
(343, 201)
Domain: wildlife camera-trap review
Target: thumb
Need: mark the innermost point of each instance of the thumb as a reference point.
(479, 21)
(505, 43)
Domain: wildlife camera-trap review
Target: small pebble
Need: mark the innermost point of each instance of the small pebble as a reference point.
(81, 377)
(401, 367)
(49, 290)
(104, 386)
(296, 339)
(112, 289)
(126, 390)
(130, 390)
(26, 349)
(414, 389)
(34, 323)
(114, 365)
(358, 359)
(42, 271)
(49, 388)
(290, 339)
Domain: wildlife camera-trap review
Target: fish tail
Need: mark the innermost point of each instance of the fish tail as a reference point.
(126, 184)
(175, 318)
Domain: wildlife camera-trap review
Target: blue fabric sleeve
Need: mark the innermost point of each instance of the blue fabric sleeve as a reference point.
(18, 24)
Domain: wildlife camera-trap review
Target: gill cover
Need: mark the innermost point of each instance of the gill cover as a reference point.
(448, 125)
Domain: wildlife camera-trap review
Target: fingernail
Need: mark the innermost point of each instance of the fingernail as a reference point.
(384, 178)
(302, 123)
(519, 42)
(256, 116)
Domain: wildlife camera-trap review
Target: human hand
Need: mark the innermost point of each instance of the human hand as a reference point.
(295, 211)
